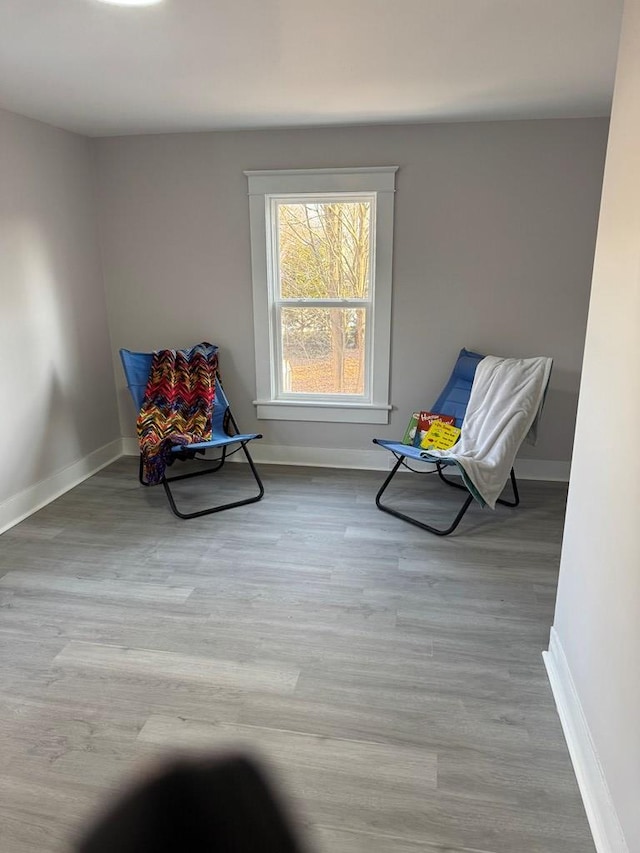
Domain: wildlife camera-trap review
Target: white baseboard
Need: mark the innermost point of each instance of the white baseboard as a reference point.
(30, 500)
(320, 457)
(375, 459)
(130, 446)
(603, 820)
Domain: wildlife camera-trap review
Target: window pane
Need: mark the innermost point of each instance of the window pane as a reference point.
(323, 350)
(324, 250)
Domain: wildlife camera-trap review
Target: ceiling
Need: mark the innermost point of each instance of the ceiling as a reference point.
(190, 65)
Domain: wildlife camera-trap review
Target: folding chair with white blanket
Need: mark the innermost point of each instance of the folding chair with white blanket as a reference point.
(497, 402)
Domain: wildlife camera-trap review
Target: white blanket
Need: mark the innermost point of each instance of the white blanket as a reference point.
(506, 397)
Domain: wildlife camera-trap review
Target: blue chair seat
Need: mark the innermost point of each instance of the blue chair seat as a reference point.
(407, 450)
(222, 441)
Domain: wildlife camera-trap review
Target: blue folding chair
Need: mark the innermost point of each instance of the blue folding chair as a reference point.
(453, 400)
(225, 434)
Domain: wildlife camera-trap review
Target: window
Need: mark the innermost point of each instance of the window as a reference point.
(321, 243)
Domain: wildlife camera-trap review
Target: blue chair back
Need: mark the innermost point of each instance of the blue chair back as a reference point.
(137, 366)
(454, 397)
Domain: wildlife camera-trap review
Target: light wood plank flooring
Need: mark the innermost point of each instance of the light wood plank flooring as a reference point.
(392, 680)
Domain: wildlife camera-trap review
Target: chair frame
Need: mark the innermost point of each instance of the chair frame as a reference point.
(465, 506)
(453, 400)
(190, 452)
(184, 454)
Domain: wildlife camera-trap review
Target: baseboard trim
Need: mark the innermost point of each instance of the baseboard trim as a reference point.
(30, 500)
(603, 819)
(130, 446)
(375, 459)
(319, 457)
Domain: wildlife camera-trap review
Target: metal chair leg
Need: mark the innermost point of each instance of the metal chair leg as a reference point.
(429, 528)
(465, 506)
(503, 501)
(210, 470)
(185, 515)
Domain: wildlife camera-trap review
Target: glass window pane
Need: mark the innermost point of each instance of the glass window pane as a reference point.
(324, 250)
(323, 350)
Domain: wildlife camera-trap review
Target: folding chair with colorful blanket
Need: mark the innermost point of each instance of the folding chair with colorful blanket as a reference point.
(497, 403)
(183, 412)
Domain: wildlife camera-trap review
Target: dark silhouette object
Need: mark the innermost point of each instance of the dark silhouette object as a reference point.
(222, 805)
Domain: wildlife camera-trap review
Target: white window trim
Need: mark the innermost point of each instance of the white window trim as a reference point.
(378, 181)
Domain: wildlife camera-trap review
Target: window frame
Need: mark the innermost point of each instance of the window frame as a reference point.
(277, 302)
(269, 186)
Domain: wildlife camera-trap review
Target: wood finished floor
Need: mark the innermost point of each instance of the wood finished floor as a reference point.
(393, 680)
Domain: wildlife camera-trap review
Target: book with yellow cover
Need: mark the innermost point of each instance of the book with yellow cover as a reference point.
(426, 420)
(440, 436)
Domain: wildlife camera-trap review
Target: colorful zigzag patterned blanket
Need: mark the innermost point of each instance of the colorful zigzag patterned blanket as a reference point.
(178, 405)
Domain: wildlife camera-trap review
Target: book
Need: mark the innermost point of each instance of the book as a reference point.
(440, 436)
(426, 421)
(410, 432)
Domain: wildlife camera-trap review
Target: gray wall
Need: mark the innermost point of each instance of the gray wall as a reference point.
(56, 377)
(494, 235)
(597, 624)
